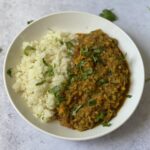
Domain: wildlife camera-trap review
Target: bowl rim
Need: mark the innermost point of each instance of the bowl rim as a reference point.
(46, 132)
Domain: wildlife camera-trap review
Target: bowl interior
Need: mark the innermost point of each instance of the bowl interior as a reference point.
(77, 22)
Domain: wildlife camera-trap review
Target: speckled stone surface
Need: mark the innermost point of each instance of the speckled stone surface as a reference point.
(134, 18)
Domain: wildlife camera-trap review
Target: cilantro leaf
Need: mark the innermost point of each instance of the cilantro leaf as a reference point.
(106, 124)
(28, 50)
(40, 83)
(129, 96)
(100, 116)
(108, 14)
(9, 72)
(91, 102)
(76, 109)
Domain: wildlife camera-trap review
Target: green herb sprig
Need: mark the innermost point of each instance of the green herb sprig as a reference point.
(9, 72)
(87, 73)
(28, 50)
(109, 15)
(81, 64)
(100, 116)
(106, 124)
(128, 96)
(122, 57)
(102, 82)
(91, 102)
(40, 83)
(50, 71)
(56, 90)
(76, 109)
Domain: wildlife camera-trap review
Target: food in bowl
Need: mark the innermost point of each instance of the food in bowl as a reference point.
(80, 79)
(43, 66)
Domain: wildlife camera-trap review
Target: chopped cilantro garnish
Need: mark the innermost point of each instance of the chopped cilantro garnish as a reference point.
(61, 42)
(98, 50)
(56, 90)
(50, 70)
(122, 57)
(69, 45)
(87, 73)
(108, 14)
(129, 96)
(28, 50)
(76, 109)
(69, 52)
(81, 64)
(9, 72)
(100, 117)
(40, 83)
(91, 102)
(96, 55)
(102, 81)
(84, 51)
(106, 124)
(44, 62)
(84, 76)
(95, 58)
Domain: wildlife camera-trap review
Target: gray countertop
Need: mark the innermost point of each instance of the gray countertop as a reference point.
(134, 18)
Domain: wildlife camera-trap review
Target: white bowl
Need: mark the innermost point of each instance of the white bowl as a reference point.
(76, 22)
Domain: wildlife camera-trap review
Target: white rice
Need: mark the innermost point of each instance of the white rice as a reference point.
(31, 69)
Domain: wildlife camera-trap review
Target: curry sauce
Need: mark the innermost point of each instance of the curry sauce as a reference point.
(98, 82)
